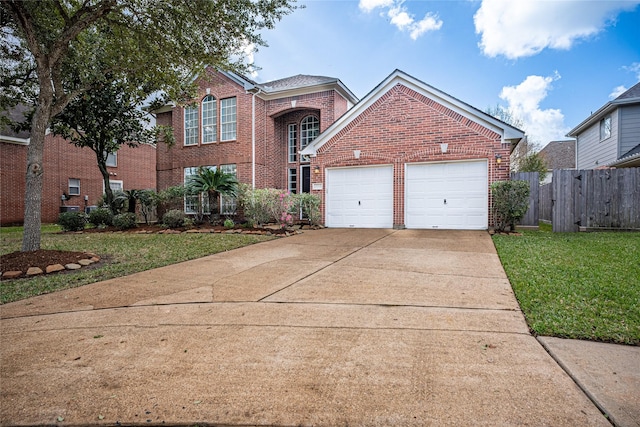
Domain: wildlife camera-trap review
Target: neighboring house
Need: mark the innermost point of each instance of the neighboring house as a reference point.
(407, 155)
(558, 155)
(68, 170)
(610, 137)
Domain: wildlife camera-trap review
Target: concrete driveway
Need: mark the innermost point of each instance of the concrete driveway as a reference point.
(332, 327)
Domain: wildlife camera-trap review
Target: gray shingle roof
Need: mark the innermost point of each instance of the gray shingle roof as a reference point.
(560, 154)
(633, 92)
(294, 82)
(16, 114)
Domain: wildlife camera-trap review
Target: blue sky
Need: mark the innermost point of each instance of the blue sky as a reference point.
(551, 62)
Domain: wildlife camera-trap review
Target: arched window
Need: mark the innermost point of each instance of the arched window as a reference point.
(191, 125)
(209, 120)
(309, 129)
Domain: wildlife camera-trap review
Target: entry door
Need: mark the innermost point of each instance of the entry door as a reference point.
(305, 172)
(450, 195)
(360, 197)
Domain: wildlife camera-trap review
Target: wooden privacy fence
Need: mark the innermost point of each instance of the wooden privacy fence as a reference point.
(599, 198)
(532, 215)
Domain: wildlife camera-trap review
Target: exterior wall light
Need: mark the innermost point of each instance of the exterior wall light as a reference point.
(498, 158)
(316, 170)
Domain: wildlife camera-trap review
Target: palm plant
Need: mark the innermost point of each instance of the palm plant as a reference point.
(214, 183)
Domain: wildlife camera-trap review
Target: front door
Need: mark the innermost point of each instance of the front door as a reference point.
(305, 171)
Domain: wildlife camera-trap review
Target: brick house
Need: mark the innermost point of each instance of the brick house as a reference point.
(253, 130)
(407, 155)
(68, 170)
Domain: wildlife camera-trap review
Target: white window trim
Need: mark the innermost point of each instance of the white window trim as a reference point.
(114, 181)
(186, 110)
(292, 143)
(602, 126)
(203, 197)
(305, 139)
(71, 193)
(214, 102)
(291, 172)
(229, 205)
(231, 123)
(115, 158)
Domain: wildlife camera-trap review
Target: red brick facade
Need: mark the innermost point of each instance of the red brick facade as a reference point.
(268, 126)
(401, 127)
(404, 125)
(64, 161)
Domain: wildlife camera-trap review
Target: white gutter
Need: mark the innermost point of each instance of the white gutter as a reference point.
(253, 138)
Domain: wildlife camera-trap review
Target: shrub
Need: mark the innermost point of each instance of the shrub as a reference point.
(510, 203)
(101, 217)
(310, 206)
(258, 203)
(125, 220)
(228, 223)
(72, 221)
(173, 218)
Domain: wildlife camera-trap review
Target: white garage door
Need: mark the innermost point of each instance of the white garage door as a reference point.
(447, 195)
(360, 197)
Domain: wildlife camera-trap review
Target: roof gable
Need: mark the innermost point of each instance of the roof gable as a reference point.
(630, 96)
(508, 133)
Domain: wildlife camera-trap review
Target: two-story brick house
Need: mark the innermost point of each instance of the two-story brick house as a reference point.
(253, 130)
(406, 155)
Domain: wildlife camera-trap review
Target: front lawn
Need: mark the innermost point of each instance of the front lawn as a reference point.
(122, 254)
(576, 285)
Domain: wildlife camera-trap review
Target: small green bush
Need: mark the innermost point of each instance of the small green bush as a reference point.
(510, 203)
(228, 223)
(310, 206)
(174, 218)
(72, 221)
(124, 221)
(101, 217)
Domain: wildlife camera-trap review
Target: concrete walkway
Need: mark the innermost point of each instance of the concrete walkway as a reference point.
(331, 327)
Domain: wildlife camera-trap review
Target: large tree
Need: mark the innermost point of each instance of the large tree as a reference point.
(103, 119)
(55, 50)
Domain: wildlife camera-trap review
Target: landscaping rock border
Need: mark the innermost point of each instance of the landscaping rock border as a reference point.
(54, 268)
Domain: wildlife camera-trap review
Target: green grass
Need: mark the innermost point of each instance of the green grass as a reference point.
(576, 285)
(123, 254)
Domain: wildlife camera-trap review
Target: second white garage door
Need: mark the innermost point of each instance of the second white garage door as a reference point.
(360, 197)
(447, 195)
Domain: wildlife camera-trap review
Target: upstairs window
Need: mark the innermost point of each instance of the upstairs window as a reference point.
(112, 160)
(605, 128)
(228, 119)
(292, 137)
(191, 125)
(209, 120)
(309, 129)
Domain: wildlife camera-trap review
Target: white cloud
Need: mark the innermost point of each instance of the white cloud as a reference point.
(524, 103)
(518, 28)
(369, 5)
(634, 68)
(402, 18)
(617, 91)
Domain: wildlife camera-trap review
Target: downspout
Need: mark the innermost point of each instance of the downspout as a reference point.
(253, 138)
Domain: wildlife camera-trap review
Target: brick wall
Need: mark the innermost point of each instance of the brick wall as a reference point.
(271, 118)
(61, 161)
(404, 126)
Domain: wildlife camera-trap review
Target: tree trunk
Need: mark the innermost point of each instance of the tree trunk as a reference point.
(107, 188)
(213, 206)
(35, 170)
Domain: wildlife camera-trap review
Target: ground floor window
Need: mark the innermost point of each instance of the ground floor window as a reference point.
(195, 203)
(74, 187)
(293, 180)
(228, 205)
(115, 185)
